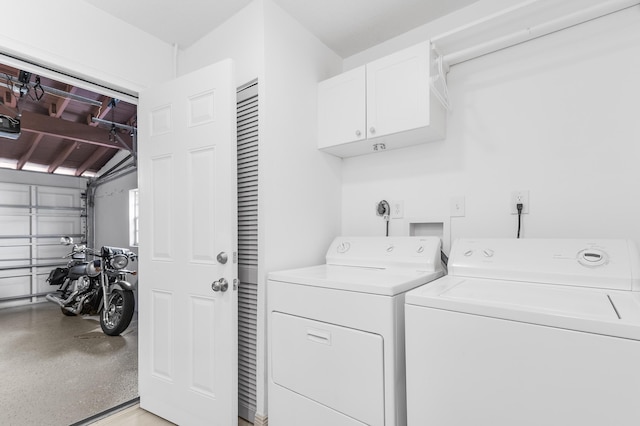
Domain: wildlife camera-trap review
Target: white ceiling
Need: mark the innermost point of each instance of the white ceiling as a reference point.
(346, 26)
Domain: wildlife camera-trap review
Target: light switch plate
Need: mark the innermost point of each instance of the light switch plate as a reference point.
(457, 206)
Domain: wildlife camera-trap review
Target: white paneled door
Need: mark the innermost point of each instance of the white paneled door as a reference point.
(188, 240)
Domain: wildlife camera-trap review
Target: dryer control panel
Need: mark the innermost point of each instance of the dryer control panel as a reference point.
(421, 253)
(611, 264)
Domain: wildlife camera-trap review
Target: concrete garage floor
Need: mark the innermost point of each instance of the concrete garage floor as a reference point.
(59, 370)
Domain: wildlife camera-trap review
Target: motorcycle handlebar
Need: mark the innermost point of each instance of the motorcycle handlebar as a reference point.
(95, 253)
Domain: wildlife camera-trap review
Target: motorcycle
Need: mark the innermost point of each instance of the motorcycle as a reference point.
(96, 286)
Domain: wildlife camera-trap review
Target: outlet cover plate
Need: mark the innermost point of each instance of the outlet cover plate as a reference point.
(397, 209)
(520, 197)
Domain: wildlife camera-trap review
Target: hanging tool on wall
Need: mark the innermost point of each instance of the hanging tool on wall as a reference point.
(383, 209)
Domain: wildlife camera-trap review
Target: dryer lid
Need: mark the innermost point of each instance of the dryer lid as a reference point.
(386, 282)
(376, 265)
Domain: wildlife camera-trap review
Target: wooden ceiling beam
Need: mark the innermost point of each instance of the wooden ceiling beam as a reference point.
(57, 108)
(78, 132)
(97, 154)
(57, 162)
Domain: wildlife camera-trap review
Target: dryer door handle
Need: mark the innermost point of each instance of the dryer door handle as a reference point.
(319, 336)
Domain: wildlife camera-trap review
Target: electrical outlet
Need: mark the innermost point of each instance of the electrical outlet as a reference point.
(520, 197)
(397, 209)
(457, 206)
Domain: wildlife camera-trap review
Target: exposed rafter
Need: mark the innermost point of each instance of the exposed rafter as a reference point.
(32, 122)
(97, 154)
(27, 155)
(63, 155)
(54, 118)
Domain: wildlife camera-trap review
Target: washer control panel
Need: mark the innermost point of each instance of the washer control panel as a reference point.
(613, 264)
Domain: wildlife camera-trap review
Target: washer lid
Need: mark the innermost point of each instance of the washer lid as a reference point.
(601, 311)
(387, 282)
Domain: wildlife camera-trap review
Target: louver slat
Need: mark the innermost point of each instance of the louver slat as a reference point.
(247, 136)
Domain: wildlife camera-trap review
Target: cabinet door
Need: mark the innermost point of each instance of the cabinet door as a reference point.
(341, 108)
(398, 92)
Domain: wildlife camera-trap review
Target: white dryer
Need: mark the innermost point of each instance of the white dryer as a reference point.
(527, 333)
(336, 332)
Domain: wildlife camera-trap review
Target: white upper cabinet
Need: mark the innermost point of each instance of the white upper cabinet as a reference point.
(385, 104)
(342, 109)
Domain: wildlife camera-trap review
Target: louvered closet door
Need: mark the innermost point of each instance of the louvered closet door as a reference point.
(247, 248)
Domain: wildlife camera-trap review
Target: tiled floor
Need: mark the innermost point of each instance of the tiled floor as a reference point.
(132, 416)
(136, 416)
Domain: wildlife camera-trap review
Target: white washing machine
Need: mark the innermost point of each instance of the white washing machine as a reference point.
(528, 333)
(336, 332)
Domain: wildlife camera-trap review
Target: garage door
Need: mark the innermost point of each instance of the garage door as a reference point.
(32, 220)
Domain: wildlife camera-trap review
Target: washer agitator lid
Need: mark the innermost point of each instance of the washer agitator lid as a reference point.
(581, 285)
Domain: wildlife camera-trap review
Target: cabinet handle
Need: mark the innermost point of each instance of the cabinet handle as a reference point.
(372, 130)
(358, 133)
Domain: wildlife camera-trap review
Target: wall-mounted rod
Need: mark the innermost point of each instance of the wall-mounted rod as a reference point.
(526, 34)
(481, 21)
(110, 123)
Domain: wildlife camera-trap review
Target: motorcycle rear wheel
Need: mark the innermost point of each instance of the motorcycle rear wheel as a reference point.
(116, 316)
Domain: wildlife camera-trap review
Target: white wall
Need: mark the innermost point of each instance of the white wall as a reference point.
(471, 13)
(240, 38)
(82, 40)
(111, 204)
(300, 185)
(557, 116)
(111, 212)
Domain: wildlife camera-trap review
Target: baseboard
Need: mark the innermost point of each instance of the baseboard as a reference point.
(261, 420)
(107, 413)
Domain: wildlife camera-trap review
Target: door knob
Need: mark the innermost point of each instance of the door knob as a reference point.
(221, 285)
(222, 258)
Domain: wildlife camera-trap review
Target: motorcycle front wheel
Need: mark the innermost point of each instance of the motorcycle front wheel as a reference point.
(116, 316)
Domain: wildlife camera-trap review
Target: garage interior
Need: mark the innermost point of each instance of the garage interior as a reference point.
(73, 155)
